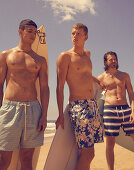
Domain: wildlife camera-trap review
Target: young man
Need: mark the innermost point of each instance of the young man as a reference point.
(75, 67)
(117, 113)
(22, 119)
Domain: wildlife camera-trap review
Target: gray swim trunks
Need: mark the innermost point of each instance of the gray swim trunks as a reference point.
(18, 125)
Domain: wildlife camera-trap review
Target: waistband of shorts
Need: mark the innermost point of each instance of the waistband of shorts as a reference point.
(82, 101)
(15, 103)
(116, 106)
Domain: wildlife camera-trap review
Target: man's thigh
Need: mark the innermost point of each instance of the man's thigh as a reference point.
(26, 154)
(5, 158)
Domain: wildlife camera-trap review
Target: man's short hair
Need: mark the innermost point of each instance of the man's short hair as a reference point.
(27, 22)
(81, 26)
(105, 59)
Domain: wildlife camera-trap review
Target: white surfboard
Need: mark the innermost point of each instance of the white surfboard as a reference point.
(125, 141)
(40, 47)
(63, 152)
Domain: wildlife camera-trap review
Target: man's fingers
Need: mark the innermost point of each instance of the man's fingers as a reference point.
(41, 127)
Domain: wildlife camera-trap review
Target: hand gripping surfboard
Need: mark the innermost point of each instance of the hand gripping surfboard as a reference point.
(63, 151)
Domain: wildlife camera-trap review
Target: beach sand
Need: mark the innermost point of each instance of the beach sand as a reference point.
(124, 159)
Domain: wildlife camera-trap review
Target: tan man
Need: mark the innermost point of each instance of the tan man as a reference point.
(74, 67)
(117, 113)
(22, 119)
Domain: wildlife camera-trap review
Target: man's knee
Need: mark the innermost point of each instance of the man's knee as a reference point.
(26, 156)
(88, 153)
(110, 142)
(5, 159)
(132, 136)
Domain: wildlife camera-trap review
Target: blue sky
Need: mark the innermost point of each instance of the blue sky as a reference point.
(110, 24)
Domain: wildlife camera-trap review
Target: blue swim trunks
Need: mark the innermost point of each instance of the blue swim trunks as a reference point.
(86, 122)
(18, 125)
(116, 116)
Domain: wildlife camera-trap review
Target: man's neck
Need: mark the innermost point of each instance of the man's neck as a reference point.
(112, 71)
(24, 47)
(78, 50)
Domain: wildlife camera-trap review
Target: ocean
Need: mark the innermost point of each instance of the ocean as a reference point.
(50, 131)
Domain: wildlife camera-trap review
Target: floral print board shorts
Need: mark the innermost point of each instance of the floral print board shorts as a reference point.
(86, 122)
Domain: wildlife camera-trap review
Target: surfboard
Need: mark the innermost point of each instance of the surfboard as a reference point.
(63, 152)
(40, 47)
(125, 141)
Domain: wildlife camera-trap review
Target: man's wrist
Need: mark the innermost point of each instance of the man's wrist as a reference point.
(44, 115)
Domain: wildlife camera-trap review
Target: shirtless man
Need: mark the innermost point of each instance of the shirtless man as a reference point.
(22, 119)
(117, 113)
(74, 66)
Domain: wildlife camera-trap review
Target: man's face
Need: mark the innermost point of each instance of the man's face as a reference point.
(78, 36)
(29, 33)
(112, 61)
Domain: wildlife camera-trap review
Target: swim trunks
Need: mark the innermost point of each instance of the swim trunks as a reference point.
(115, 117)
(18, 125)
(86, 123)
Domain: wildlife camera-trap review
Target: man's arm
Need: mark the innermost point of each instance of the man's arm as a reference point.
(100, 78)
(130, 95)
(44, 94)
(3, 71)
(96, 80)
(62, 68)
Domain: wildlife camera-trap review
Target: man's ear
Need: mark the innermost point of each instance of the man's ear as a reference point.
(20, 31)
(86, 37)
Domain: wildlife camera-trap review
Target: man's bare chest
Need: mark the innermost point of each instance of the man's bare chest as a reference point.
(23, 62)
(114, 81)
(81, 64)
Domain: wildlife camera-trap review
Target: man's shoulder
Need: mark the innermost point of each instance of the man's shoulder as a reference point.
(88, 53)
(5, 53)
(66, 55)
(124, 74)
(101, 76)
(38, 57)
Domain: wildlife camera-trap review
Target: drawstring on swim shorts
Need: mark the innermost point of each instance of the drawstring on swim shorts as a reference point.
(25, 106)
(118, 112)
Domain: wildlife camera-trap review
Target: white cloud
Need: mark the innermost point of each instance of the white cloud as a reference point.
(67, 9)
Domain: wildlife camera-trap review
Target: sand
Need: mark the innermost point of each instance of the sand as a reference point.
(124, 159)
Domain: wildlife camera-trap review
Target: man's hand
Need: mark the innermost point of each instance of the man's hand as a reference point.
(131, 118)
(60, 121)
(102, 86)
(42, 124)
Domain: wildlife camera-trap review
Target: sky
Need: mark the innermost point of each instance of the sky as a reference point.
(110, 25)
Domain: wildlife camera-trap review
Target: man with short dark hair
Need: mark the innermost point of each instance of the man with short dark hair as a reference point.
(75, 67)
(117, 113)
(22, 119)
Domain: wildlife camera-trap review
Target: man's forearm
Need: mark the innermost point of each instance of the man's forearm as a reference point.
(96, 80)
(132, 106)
(44, 97)
(60, 100)
(1, 95)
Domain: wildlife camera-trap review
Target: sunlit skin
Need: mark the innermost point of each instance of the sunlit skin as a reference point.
(20, 67)
(116, 84)
(75, 67)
